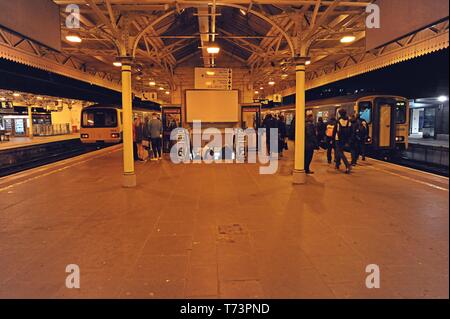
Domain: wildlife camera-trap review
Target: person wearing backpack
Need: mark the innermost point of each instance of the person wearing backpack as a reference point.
(342, 136)
(329, 141)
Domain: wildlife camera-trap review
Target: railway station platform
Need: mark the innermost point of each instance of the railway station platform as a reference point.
(223, 231)
(444, 143)
(18, 142)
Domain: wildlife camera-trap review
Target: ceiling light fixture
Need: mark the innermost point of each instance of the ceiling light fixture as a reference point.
(271, 83)
(117, 64)
(73, 38)
(161, 89)
(210, 73)
(308, 62)
(214, 49)
(348, 39)
(243, 12)
(16, 94)
(152, 83)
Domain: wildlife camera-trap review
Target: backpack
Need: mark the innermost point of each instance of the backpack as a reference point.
(330, 130)
(344, 132)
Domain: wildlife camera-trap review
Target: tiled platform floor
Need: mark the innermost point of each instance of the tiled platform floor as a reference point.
(224, 231)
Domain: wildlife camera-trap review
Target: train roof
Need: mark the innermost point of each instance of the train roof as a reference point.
(345, 99)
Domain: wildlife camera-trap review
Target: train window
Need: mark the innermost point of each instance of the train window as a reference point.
(99, 118)
(365, 111)
(400, 111)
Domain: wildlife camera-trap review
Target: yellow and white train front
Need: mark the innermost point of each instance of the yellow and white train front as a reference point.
(101, 125)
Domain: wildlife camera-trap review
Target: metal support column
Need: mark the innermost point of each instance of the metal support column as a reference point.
(30, 120)
(299, 175)
(129, 177)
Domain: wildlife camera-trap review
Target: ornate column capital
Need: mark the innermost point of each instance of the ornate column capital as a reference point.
(301, 60)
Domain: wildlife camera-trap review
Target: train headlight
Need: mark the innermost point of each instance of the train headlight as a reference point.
(84, 135)
(115, 135)
(400, 139)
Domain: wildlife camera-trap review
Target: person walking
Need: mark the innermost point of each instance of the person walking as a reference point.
(329, 141)
(342, 135)
(310, 143)
(156, 129)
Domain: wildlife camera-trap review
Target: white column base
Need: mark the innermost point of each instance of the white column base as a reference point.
(299, 177)
(129, 180)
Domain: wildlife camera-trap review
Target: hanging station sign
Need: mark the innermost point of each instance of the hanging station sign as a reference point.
(213, 79)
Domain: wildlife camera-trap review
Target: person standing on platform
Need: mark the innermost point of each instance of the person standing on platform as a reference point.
(329, 141)
(342, 135)
(135, 146)
(282, 134)
(139, 131)
(310, 143)
(146, 140)
(321, 128)
(269, 123)
(156, 130)
(360, 135)
(353, 140)
(364, 135)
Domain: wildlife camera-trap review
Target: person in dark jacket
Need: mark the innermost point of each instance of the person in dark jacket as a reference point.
(321, 128)
(282, 134)
(310, 143)
(342, 135)
(269, 123)
(139, 137)
(292, 130)
(360, 135)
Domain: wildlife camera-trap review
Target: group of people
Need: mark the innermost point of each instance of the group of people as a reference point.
(335, 135)
(338, 135)
(147, 135)
(276, 121)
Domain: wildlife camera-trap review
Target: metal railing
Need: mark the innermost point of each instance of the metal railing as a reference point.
(51, 129)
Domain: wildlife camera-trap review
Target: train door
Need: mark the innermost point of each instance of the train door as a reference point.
(384, 124)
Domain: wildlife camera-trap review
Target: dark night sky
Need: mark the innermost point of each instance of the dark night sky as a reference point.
(426, 76)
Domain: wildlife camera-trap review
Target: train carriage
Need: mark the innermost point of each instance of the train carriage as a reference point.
(387, 116)
(103, 124)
